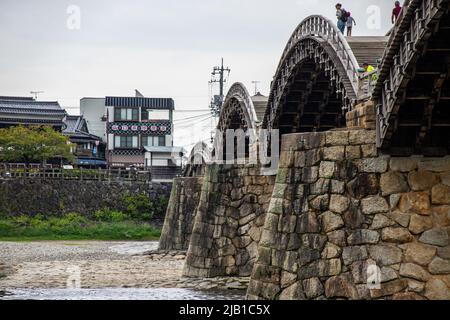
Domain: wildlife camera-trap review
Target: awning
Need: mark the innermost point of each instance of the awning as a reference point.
(91, 162)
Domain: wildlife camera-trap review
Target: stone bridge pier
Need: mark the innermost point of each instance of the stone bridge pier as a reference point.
(228, 222)
(342, 215)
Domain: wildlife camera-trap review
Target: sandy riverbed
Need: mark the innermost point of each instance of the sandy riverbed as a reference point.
(100, 265)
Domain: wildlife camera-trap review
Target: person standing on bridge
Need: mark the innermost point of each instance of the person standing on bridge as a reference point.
(350, 22)
(396, 12)
(368, 68)
(342, 16)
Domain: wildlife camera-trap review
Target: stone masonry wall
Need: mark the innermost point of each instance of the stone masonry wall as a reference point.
(179, 221)
(339, 207)
(58, 197)
(228, 221)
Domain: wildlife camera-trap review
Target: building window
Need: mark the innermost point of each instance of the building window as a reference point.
(152, 141)
(126, 114)
(155, 115)
(129, 142)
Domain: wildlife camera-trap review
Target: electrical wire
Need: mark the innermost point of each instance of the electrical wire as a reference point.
(193, 117)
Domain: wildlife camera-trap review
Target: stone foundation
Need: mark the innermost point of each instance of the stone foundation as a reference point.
(362, 116)
(59, 197)
(228, 221)
(339, 211)
(180, 215)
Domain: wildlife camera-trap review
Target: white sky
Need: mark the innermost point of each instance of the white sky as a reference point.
(164, 48)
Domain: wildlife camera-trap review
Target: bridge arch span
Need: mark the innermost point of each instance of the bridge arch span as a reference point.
(316, 80)
(238, 110)
(199, 157)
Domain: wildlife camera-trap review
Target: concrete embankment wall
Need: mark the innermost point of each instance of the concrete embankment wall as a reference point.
(340, 210)
(58, 197)
(228, 222)
(180, 215)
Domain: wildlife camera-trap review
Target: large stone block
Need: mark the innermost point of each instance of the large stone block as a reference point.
(352, 152)
(435, 165)
(396, 235)
(380, 221)
(436, 237)
(313, 288)
(419, 224)
(373, 165)
(363, 185)
(352, 254)
(414, 271)
(439, 266)
(404, 164)
(341, 286)
(358, 137)
(389, 289)
(440, 194)
(331, 251)
(373, 205)
(337, 138)
(436, 289)
(393, 182)
(418, 202)
(363, 236)
(338, 203)
(422, 180)
(294, 292)
(385, 255)
(445, 178)
(331, 221)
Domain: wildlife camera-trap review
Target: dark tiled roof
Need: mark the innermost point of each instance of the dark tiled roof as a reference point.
(73, 123)
(155, 103)
(16, 98)
(74, 128)
(26, 105)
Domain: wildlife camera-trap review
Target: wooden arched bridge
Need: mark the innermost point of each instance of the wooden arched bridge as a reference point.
(319, 79)
(363, 181)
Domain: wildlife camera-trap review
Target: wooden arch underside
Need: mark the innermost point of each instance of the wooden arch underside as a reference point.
(312, 102)
(420, 121)
(311, 90)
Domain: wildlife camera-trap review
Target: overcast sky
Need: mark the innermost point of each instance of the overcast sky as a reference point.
(164, 48)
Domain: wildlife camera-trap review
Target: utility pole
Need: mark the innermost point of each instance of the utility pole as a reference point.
(256, 86)
(35, 93)
(218, 76)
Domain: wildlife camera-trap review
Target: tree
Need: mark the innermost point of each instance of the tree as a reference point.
(33, 144)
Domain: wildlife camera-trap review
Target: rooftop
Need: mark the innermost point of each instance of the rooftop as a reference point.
(76, 128)
(154, 103)
(29, 105)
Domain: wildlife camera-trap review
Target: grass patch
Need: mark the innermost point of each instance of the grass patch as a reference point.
(74, 227)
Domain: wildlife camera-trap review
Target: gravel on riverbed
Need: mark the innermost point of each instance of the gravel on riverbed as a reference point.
(49, 265)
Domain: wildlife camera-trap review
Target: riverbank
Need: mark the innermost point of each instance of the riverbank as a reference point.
(108, 265)
(112, 226)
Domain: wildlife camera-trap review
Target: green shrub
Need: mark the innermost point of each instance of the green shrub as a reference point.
(108, 215)
(139, 207)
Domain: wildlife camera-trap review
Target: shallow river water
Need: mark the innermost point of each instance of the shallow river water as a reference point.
(118, 294)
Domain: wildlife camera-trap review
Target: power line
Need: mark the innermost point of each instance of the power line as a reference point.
(185, 125)
(193, 117)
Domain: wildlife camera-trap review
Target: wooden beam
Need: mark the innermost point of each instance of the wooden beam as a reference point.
(428, 110)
